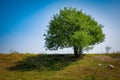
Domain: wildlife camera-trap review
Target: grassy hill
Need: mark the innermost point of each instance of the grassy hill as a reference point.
(59, 67)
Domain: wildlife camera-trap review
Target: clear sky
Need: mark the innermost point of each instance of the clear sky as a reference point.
(23, 23)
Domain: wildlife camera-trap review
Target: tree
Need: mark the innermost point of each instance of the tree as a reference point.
(73, 28)
(108, 48)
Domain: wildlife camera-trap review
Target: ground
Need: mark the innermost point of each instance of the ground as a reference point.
(59, 67)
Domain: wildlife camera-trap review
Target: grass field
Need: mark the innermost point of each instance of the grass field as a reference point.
(59, 67)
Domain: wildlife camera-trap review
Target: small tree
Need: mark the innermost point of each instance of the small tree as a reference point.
(73, 28)
(108, 48)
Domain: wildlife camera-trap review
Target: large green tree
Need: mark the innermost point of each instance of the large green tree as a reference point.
(73, 28)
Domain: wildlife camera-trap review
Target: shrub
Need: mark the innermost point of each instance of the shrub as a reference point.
(14, 52)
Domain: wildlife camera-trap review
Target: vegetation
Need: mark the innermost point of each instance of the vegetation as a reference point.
(59, 67)
(108, 48)
(14, 52)
(73, 28)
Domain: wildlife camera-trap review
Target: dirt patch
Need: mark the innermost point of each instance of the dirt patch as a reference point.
(104, 58)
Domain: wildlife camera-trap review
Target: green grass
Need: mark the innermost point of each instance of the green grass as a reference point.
(59, 67)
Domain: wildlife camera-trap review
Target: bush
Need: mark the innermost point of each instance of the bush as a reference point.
(14, 52)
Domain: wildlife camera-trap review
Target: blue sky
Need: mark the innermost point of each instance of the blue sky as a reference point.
(23, 23)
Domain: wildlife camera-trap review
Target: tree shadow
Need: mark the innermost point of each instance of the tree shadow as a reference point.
(44, 62)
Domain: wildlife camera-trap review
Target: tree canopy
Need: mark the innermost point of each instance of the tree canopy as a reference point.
(73, 28)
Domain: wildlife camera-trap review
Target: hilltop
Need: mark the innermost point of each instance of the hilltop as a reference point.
(59, 67)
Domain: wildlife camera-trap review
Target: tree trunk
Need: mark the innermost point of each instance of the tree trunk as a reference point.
(77, 52)
(80, 51)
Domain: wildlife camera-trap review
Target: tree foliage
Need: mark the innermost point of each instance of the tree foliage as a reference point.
(73, 28)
